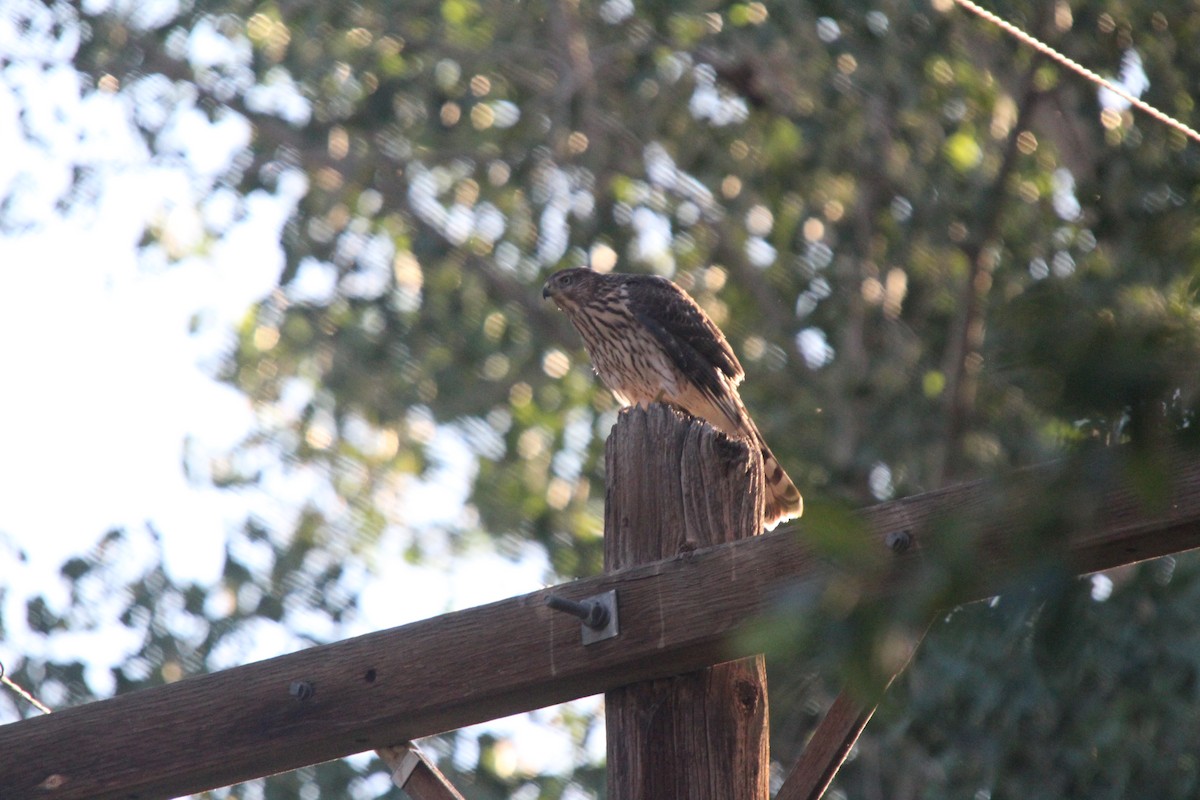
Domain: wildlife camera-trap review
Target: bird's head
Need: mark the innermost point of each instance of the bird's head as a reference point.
(572, 288)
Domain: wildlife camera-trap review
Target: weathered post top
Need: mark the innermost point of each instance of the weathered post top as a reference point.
(674, 483)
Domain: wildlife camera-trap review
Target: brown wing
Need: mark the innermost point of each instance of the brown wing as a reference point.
(691, 340)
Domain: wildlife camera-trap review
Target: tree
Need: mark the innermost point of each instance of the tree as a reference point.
(938, 256)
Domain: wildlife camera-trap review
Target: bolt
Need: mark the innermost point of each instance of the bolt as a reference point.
(593, 614)
(899, 541)
(301, 690)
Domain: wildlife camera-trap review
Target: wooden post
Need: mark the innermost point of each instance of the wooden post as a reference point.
(675, 484)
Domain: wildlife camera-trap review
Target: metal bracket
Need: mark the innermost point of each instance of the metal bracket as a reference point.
(597, 614)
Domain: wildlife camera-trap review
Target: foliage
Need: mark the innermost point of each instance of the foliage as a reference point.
(937, 255)
(1117, 677)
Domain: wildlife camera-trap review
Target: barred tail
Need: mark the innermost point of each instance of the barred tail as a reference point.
(783, 500)
(727, 414)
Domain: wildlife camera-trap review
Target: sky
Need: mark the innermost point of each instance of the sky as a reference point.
(108, 352)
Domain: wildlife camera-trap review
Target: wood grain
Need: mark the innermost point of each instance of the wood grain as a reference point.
(470, 666)
(674, 485)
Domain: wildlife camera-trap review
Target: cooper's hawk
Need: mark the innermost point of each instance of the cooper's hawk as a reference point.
(650, 342)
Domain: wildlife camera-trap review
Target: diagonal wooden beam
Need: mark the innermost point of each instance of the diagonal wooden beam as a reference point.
(416, 774)
(516, 655)
(827, 749)
(831, 742)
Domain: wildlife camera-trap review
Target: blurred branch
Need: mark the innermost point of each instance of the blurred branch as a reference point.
(543, 318)
(576, 88)
(852, 367)
(768, 303)
(963, 358)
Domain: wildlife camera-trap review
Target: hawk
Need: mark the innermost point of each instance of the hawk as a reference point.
(649, 342)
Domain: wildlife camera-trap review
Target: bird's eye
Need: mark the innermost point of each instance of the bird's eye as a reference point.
(566, 280)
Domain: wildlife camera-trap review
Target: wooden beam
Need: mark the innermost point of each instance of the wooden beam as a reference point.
(828, 748)
(515, 655)
(413, 772)
(832, 741)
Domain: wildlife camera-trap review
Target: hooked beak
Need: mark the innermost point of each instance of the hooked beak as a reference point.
(546, 291)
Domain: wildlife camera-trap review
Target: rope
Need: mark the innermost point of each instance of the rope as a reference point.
(1075, 66)
(40, 706)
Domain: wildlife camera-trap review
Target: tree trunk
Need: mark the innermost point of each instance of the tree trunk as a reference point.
(676, 484)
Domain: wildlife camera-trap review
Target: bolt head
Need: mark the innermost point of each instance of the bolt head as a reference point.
(899, 541)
